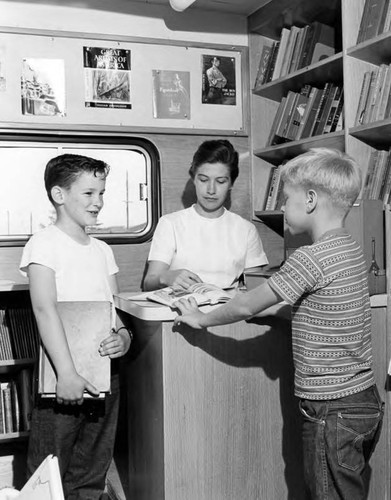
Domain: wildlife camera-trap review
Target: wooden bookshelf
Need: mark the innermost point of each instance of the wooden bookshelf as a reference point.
(346, 67)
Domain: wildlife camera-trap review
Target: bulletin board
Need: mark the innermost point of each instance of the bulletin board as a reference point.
(72, 82)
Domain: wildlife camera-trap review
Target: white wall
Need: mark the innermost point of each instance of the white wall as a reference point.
(127, 18)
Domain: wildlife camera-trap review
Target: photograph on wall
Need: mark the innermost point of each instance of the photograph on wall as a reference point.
(43, 87)
(218, 80)
(3, 79)
(171, 94)
(107, 77)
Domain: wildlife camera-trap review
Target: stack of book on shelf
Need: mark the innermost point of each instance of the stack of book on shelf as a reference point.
(16, 402)
(19, 338)
(377, 184)
(375, 20)
(374, 103)
(296, 49)
(308, 113)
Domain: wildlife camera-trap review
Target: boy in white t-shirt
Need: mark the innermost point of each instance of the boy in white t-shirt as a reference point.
(64, 263)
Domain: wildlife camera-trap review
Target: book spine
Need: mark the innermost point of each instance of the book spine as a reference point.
(322, 104)
(272, 186)
(309, 122)
(281, 53)
(272, 62)
(369, 174)
(333, 110)
(276, 121)
(6, 395)
(383, 17)
(262, 68)
(298, 112)
(326, 110)
(387, 20)
(298, 49)
(307, 42)
(377, 93)
(374, 19)
(362, 101)
(289, 50)
(371, 91)
(338, 113)
(364, 22)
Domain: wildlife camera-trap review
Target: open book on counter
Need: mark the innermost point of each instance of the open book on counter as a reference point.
(203, 293)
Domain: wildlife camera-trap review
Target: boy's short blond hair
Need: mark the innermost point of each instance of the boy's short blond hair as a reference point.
(328, 170)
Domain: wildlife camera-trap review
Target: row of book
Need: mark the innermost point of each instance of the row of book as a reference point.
(16, 402)
(296, 49)
(310, 112)
(377, 184)
(19, 337)
(375, 19)
(374, 103)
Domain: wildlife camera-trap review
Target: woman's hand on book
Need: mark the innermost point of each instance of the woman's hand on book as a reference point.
(180, 278)
(190, 314)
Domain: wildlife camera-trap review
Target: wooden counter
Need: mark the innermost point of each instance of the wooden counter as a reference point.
(212, 414)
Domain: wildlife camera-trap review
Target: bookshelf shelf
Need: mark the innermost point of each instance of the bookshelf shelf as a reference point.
(330, 69)
(375, 134)
(14, 436)
(276, 154)
(375, 51)
(274, 219)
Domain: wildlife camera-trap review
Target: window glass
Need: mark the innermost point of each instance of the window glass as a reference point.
(130, 202)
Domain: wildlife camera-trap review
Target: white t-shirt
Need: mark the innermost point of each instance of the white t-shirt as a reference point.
(81, 271)
(217, 250)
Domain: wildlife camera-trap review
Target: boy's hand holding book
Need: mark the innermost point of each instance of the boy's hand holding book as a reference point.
(190, 314)
(70, 388)
(116, 344)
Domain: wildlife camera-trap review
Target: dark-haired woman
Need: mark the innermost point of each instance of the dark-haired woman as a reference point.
(206, 242)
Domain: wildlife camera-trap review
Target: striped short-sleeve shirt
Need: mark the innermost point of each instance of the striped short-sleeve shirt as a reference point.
(326, 284)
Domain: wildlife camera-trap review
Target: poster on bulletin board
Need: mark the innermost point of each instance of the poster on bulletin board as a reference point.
(107, 77)
(171, 94)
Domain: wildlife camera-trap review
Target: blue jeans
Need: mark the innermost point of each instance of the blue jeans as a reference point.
(339, 436)
(82, 437)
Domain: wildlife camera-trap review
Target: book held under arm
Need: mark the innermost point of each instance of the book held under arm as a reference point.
(85, 324)
(203, 293)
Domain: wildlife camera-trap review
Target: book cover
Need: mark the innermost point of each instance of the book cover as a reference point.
(369, 174)
(85, 324)
(107, 74)
(203, 293)
(307, 110)
(5, 390)
(382, 94)
(276, 188)
(45, 483)
(25, 386)
(171, 94)
(298, 112)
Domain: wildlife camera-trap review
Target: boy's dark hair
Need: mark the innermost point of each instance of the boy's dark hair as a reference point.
(216, 151)
(63, 170)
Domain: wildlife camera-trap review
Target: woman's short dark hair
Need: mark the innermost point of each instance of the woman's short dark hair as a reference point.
(216, 151)
(63, 170)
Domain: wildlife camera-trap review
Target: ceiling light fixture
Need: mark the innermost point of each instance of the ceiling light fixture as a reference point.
(181, 5)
